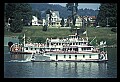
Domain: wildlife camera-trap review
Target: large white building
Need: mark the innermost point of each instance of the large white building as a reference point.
(78, 21)
(55, 19)
(35, 21)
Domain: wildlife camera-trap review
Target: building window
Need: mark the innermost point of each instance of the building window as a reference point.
(50, 54)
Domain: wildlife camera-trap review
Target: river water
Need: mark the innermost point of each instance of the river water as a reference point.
(24, 69)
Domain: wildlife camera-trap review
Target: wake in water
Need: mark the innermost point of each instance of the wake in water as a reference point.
(7, 53)
(17, 61)
(27, 60)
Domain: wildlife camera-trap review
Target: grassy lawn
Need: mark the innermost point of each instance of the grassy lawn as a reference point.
(104, 34)
(51, 32)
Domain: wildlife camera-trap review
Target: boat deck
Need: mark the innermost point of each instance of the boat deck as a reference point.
(64, 52)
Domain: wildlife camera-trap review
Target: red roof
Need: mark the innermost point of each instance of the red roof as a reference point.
(93, 17)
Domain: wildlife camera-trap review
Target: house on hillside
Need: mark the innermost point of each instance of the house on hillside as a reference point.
(35, 21)
(55, 19)
(78, 21)
(85, 21)
(69, 21)
(89, 20)
(92, 20)
(43, 22)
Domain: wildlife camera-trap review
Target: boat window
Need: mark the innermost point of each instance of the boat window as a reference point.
(59, 43)
(69, 56)
(75, 56)
(56, 57)
(76, 43)
(26, 48)
(89, 56)
(50, 54)
(83, 56)
(82, 49)
(89, 48)
(73, 43)
(64, 56)
(51, 43)
(76, 49)
(40, 49)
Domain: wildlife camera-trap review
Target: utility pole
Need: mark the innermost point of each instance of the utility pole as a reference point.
(8, 28)
(107, 22)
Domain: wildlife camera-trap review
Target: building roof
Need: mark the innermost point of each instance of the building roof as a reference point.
(57, 13)
(93, 17)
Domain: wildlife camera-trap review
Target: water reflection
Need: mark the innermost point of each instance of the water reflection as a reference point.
(74, 69)
(59, 69)
(17, 69)
(20, 69)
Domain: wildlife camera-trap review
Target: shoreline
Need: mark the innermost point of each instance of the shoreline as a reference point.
(111, 46)
(108, 46)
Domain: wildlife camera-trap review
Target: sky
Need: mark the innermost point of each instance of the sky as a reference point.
(93, 6)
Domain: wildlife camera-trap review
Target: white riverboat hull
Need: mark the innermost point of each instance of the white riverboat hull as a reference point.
(73, 57)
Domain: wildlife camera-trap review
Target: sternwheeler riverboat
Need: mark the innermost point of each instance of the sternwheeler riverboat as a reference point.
(72, 48)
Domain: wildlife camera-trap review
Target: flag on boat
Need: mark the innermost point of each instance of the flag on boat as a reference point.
(101, 43)
(105, 43)
(24, 36)
(84, 32)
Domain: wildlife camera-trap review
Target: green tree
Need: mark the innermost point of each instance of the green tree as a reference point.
(73, 7)
(50, 15)
(36, 13)
(44, 28)
(38, 39)
(18, 12)
(62, 22)
(107, 14)
(16, 25)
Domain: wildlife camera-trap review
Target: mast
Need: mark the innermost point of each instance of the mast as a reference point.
(86, 32)
(107, 21)
(93, 39)
(86, 35)
(24, 40)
